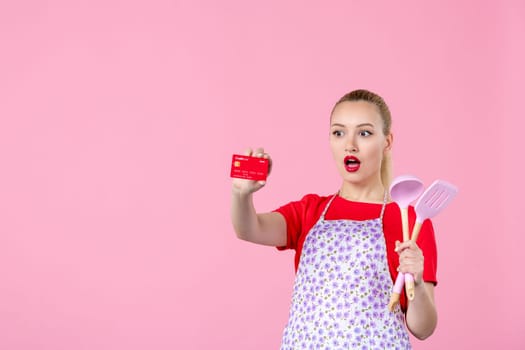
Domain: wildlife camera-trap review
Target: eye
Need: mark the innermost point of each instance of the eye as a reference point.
(365, 133)
(337, 133)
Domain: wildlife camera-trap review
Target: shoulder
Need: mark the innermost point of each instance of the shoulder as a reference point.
(307, 205)
(301, 215)
(310, 199)
(392, 212)
(313, 198)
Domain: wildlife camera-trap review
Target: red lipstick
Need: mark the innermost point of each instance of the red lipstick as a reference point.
(352, 164)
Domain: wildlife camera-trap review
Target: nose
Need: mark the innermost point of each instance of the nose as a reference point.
(350, 146)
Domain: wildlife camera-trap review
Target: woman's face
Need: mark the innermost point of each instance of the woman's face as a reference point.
(357, 141)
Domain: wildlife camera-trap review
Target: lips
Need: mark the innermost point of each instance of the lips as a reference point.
(352, 164)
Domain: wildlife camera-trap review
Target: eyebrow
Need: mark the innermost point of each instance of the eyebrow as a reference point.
(358, 126)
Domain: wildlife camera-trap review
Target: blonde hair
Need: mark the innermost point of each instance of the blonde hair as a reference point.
(384, 112)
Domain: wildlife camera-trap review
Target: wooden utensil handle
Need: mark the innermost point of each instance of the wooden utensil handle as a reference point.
(409, 279)
(396, 292)
(404, 221)
(415, 231)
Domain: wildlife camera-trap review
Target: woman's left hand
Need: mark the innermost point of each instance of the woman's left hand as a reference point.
(411, 260)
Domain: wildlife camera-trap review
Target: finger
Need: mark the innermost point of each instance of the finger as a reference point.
(411, 255)
(411, 266)
(401, 247)
(258, 185)
(396, 249)
(407, 245)
(248, 152)
(404, 245)
(259, 152)
(410, 252)
(270, 163)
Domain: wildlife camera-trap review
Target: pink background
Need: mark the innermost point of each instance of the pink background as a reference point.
(119, 119)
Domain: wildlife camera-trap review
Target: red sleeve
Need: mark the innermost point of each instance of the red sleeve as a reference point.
(427, 243)
(294, 213)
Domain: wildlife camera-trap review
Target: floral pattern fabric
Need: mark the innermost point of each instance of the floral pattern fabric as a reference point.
(341, 291)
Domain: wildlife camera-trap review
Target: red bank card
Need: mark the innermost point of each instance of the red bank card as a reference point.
(249, 168)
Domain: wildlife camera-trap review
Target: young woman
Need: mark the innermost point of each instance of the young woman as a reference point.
(348, 249)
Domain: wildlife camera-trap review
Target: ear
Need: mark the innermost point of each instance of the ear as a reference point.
(389, 140)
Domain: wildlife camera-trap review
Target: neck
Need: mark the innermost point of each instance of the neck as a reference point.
(371, 193)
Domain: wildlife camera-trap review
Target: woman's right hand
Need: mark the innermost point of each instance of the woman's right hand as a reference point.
(243, 186)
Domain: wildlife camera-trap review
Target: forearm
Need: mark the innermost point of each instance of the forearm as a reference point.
(421, 313)
(243, 215)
